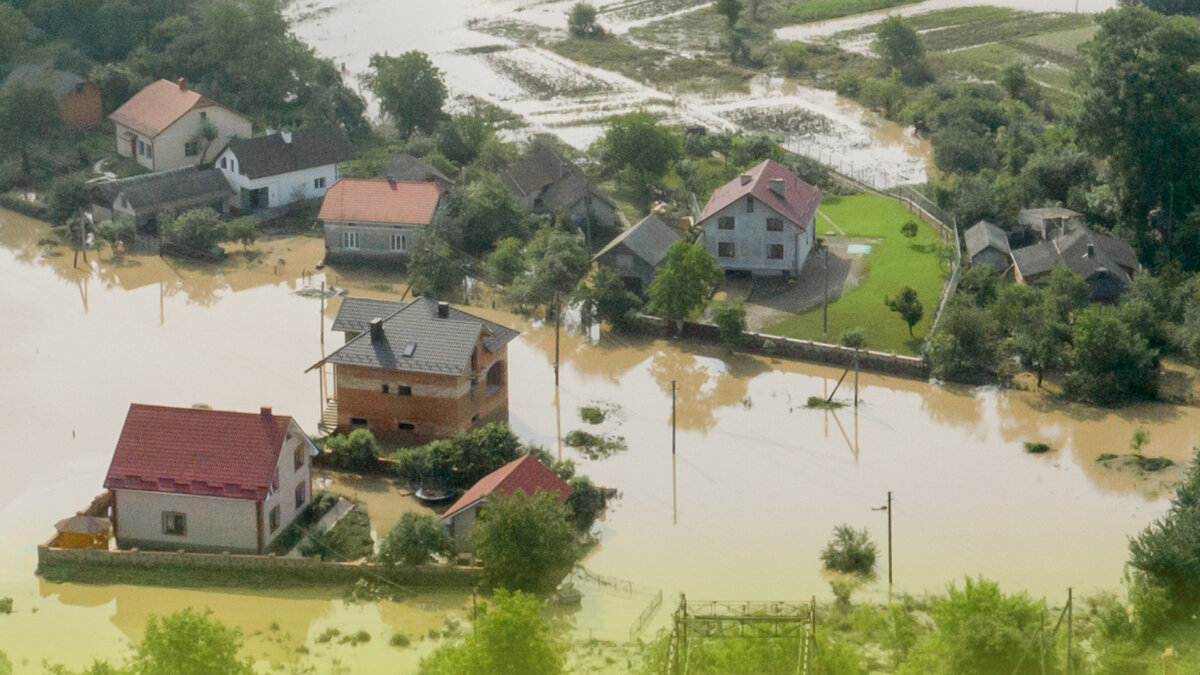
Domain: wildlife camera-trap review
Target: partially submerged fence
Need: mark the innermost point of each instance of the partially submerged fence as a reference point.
(627, 589)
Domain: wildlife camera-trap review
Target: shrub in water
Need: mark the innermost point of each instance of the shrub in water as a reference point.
(850, 550)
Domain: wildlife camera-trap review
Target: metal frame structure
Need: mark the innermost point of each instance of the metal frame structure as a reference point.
(716, 620)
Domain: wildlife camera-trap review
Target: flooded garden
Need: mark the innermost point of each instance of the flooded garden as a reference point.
(741, 511)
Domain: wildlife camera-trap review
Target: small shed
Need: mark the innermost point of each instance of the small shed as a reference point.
(636, 253)
(144, 197)
(1050, 222)
(987, 244)
(83, 532)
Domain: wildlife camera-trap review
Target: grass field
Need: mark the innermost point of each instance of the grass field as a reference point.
(656, 66)
(894, 262)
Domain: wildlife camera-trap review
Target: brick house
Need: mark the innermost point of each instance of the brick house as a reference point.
(525, 474)
(207, 480)
(378, 219)
(79, 101)
(159, 127)
(762, 222)
(418, 371)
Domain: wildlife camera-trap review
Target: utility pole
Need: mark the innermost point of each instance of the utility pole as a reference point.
(1070, 618)
(825, 303)
(888, 508)
(557, 326)
(674, 482)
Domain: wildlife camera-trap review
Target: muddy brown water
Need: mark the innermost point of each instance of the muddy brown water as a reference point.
(760, 481)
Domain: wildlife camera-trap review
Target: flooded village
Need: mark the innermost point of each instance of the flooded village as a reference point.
(606, 342)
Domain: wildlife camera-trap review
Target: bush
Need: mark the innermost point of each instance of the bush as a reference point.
(855, 338)
(510, 635)
(399, 640)
(581, 23)
(413, 541)
(1110, 362)
(910, 228)
(730, 317)
(1167, 556)
(357, 451)
(794, 56)
(347, 541)
(585, 503)
(193, 234)
(850, 550)
(6, 605)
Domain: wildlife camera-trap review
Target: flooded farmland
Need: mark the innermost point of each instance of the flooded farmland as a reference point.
(759, 480)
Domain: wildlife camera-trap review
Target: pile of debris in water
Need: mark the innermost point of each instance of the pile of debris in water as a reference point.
(316, 292)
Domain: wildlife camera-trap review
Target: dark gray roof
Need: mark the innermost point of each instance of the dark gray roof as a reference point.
(1030, 216)
(567, 192)
(540, 167)
(984, 234)
(1108, 254)
(1037, 259)
(649, 240)
(409, 169)
(355, 314)
(272, 155)
(165, 187)
(58, 81)
(439, 345)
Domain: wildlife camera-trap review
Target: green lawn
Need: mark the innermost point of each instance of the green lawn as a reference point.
(894, 262)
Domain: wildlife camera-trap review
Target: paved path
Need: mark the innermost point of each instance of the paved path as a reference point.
(327, 521)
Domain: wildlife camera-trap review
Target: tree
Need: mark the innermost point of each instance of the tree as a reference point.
(556, 261)
(730, 317)
(855, 338)
(461, 460)
(28, 116)
(510, 637)
(581, 22)
(906, 304)
(506, 262)
(1041, 338)
(966, 346)
(1067, 292)
(524, 542)
(686, 281)
(193, 234)
(413, 540)
(114, 232)
(900, 48)
(794, 56)
(433, 268)
(69, 195)
(243, 230)
(1166, 554)
(730, 9)
(484, 212)
(850, 550)
(1110, 363)
(586, 503)
(15, 30)
(189, 643)
(356, 451)
(603, 297)
(204, 138)
(909, 229)
(462, 137)
(637, 145)
(410, 89)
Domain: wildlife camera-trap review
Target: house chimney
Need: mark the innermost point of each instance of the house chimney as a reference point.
(182, 84)
(265, 411)
(285, 135)
(1091, 251)
(746, 178)
(391, 183)
(443, 310)
(376, 329)
(777, 186)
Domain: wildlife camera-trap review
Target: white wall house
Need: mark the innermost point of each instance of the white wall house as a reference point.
(281, 168)
(762, 222)
(207, 480)
(159, 127)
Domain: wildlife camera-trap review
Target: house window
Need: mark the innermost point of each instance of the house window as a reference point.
(300, 494)
(587, 202)
(384, 389)
(538, 203)
(191, 149)
(774, 224)
(399, 242)
(174, 523)
(275, 482)
(273, 518)
(749, 204)
(725, 249)
(349, 240)
(300, 455)
(223, 163)
(203, 116)
(149, 151)
(319, 183)
(725, 223)
(141, 148)
(624, 261)
(775, 252)
(358, 421)
(403, 390)
(406, 426)
(233, 165)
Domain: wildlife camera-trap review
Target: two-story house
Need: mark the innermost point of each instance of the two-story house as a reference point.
(160, 127)
(207, 480)
(281, 168)
(762, 222)
(418, 371)
(378, 219)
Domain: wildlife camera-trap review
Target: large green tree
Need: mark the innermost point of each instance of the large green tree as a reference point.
(413, 540)
(603, 297)
(525, 542)
(1166, 554)
(193, 234)
(556, 261)
(189, 643)
(1110, 362)
(641, 148)
(28, 116)
(483, 212)
(686, 281)
(410, 89)
(900, 48)
(966, 346)
(509, 637)
(434, 269)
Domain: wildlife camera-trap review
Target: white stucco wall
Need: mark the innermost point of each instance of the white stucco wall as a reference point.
(213, 523)
(752, 240)
(289, 478)
(282, 189)
(168, 147)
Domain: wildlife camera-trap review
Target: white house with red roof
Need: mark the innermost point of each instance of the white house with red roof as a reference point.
(763, 221)
(160, 126)
(525, 474)
(379, 219)
(207, 480)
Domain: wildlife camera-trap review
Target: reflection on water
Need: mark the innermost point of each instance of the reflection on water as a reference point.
(761, 480)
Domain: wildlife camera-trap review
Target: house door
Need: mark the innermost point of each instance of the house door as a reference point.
(253, 200)
(133, 147)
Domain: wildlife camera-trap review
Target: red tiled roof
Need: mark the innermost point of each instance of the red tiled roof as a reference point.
(157, 106)
(381, 201)
(193, 451)
(525, 474)
(798, 205)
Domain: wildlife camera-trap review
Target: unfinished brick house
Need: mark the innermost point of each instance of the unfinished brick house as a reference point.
(416, 371)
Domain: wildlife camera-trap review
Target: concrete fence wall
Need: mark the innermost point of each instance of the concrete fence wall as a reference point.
(785, 347)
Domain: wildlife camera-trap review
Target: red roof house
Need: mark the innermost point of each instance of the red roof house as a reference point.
(200, 479)
(763, 221)
(525, 474)
(378, 218)
(159, 127)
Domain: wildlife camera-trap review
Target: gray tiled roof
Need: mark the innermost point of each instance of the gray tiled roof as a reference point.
(540, 167)
(649, 240)
(309, 148)
(984, 234)
(58, 81)
(1109, 254)
(165, 187)
(439, 345)
(355, 314)
(1037, 259)
(406, 168)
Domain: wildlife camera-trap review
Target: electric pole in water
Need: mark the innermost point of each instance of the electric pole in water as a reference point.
(674, 490)
(825, 304)
(888, 508)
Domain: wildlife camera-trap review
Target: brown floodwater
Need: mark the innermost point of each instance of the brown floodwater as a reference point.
(759, 480)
